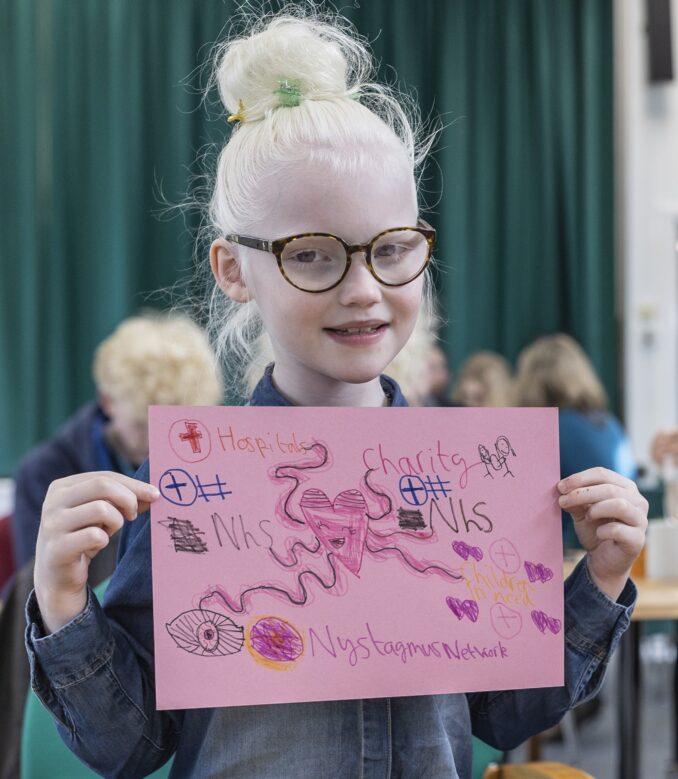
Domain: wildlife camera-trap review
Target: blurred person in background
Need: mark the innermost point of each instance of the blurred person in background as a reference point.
(412, 366)
(555, 371)
(664, 451)
(484, 380)
(439, 377)
(148, 360)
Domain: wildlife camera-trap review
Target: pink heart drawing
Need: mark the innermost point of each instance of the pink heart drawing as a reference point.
(464, 550)
(339, 525)
(543, 621)
(460, 608)
(538, 572)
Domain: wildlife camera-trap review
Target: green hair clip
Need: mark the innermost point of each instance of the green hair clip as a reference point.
(288, 92)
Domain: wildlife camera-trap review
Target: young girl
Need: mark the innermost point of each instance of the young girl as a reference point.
(315, 213)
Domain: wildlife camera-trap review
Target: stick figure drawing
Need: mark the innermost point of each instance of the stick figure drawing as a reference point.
(498, 460)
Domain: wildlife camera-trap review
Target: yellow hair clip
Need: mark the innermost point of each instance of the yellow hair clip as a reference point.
(240, 116)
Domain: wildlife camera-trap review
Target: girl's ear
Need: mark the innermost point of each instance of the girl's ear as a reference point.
(226, 270)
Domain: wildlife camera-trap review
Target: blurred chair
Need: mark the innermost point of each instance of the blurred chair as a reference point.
(6, 551)
(484, 756)
(535, 771)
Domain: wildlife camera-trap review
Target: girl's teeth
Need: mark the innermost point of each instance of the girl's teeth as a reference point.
(353, 330)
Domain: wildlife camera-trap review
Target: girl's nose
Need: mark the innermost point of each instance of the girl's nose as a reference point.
(359, 286)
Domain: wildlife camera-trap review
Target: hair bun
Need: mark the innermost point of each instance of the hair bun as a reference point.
(285, 62)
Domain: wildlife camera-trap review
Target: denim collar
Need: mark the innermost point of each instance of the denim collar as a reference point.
(266, 394)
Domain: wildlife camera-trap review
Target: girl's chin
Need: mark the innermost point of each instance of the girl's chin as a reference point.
(361, 373)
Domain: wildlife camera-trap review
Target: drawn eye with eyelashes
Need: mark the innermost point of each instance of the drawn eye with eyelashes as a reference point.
(206, 633)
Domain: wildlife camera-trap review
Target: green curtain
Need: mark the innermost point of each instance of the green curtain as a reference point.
(101, 122)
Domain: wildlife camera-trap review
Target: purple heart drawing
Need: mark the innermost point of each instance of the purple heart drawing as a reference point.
(464, 550)
(538, 572)
(460, 608)
(543, 621)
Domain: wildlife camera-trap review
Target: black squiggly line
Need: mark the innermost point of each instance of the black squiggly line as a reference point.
(272, 588)
(407, 562)
(291, 550)
(297, 480)
(381, 494)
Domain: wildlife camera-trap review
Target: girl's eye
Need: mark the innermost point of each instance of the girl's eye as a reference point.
(390, 251)
(310, 257)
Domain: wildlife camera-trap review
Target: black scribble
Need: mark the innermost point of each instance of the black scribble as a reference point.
(185, 535)
(411, 519)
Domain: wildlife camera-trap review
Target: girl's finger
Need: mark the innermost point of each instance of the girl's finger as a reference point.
(97, 513)
(124, 493)
(618, 509)
(592, 477)
(630, 539)
(585, 495)
(88, 540)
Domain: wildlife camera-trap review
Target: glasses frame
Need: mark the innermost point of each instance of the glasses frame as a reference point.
(277, 247)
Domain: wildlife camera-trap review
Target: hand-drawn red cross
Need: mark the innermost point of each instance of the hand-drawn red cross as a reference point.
(192, 435)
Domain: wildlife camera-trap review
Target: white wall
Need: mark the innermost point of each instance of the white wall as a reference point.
(647, 212)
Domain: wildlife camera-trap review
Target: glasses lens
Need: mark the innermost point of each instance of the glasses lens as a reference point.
(314, 262)
(399, 255)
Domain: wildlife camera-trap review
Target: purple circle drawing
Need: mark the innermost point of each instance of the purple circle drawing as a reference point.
(274, 642)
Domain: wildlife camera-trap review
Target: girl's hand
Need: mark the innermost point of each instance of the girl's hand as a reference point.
(610, 519)
(79, 515)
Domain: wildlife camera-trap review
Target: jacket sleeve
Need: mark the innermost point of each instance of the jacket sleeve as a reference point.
(96, 674)
(594, 625)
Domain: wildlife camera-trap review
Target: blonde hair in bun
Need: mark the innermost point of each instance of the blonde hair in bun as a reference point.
(298, 85)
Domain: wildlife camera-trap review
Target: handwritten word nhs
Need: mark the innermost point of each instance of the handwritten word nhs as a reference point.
(263, 445)
(433, 459)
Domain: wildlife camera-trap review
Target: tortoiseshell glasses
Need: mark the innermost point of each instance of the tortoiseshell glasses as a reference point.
(317, 262)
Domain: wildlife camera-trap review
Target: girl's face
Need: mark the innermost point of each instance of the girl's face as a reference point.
(314, 353)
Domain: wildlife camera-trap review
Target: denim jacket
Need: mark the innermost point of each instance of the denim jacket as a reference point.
(96, 676)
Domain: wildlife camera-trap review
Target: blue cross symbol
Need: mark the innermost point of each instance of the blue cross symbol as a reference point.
(183, 493)
(412, 489)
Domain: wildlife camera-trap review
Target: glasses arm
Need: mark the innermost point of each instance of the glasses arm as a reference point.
(250, 242)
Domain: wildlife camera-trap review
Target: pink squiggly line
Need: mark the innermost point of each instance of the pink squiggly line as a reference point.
(295, 559)
(298, 598)
(411, 562)
(304, 466)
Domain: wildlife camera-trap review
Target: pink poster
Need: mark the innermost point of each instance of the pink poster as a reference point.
(304, 554)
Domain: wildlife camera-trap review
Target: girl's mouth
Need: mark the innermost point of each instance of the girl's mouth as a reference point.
(357, 336)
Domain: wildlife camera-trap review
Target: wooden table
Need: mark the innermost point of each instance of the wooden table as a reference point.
(657, 600)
